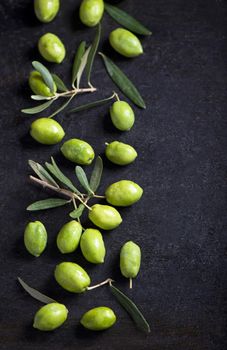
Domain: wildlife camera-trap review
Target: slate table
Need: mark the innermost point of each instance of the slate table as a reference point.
(181, 139)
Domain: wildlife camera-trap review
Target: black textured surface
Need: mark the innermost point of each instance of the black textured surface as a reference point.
(181, 138)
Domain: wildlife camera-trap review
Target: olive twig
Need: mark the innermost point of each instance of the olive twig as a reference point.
(108, 280)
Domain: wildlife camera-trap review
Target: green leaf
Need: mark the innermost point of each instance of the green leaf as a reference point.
(91, 105)
(82, 66)
(123, 82)
(62, 107)
(47, 77)
(42, 173)
(92, 53)
(35, 293)
(126, 20)
(39, 97)
(131, 308)
(47, 204)
(75, 214)
(82, 177)
(59, 83)
(77, 60)
(37, 109)
(96, 174)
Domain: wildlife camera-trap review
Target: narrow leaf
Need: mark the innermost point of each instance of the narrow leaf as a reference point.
(62, 107)
(47, 77)
(42, 173)
(126, 20)
(82, 177)
(37, 109)
(92, 53)
(39, 97)
(35, 293)
(47, 204)
(131, 308)
(77, 60)
(96, 174)
(82, 67)
(91, 105)
(59, 83)
(75, 214)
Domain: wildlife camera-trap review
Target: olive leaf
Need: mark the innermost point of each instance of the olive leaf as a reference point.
(126, 20)
(39, 97)
(96, 174)
(123, 82)
(42, 173)
(75, 214)
(91, 105)
(47, 204)
(35, 293)
(77, 60)
(131, 308)
(59, 83)
(92, 53)
(37, 109)
(47, 77)
(62, 107)
(82, 66)
(82, 177)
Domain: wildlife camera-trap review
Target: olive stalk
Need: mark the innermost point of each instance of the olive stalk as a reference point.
(107, 281)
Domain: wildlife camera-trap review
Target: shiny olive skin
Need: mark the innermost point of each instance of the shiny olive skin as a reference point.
(122, 115)
(123, 193)
(50, 317)
(38, 85)
(120, 153)
(35, 238)
(98, 319)
(51, 48)
(78, 151)
(68, 237)
(92, 246)
(130, 258)
(105, 217)
(47, 131)
(91, 12)
(46, 10)
(72, 277)
(125, 43)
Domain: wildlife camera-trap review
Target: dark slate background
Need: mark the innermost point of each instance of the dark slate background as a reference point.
(180, 223)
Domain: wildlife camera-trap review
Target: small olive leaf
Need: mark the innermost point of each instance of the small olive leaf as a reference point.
(131, 308)
(96, 174)
(82, 66)
(91, 105)
(35, 293)
(126, 20)
(75, 214)
(59, 83)
(92, 53)
(62, 107)
(82, 177)
(77, 60)
(39, 97)
(123, 82)
(47, 204)
(47, 77)
(37, 109)
(42, 173)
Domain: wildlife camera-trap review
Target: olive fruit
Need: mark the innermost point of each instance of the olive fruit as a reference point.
(72, 277)
(92, 246)
(120, 153)
(35, 238)
(47, 131)
(130, 258)
(91, 12)
(104, 216)
(125, 43)
(68, 237)
(51, 48)
(78, 151)
(123, 193)
(122, 115)
(50, 317)
(98, 319)
(46, 10)
(38, 85)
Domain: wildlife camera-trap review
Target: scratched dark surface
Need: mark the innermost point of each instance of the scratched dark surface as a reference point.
(181, 138)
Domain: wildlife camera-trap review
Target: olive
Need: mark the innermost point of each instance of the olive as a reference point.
(47, 131)
(130, 258)
(105, 217)
(123, 193)
(68, 237)
(98, 319)
(125, 43)
(51, 48)
(35, 238)
(92, 246)
(120, 153)
(46, 10)
(122, 115)
(38, 85)
(91, 12)
(78, 151)
(50, 317)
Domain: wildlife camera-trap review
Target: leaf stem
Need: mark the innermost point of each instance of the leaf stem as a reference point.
(108, 280)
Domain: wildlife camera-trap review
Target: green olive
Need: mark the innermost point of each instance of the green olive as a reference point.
(98, 319)
(120, 153)
(123, 193)
(130, 258)
(92, 246)
(68, 237)
(72, 277)
(47, 131)
(51, 48)
(125, 43)
(35, 238)
(105, 217)
(91, 12)
(38, 85)
(78, 151)
(50, 317)
(46, 10)
(122, 115)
